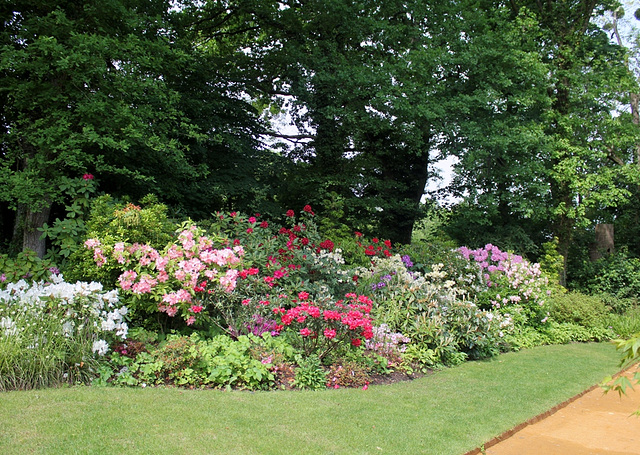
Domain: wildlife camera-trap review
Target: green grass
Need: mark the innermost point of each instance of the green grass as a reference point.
(449, 412)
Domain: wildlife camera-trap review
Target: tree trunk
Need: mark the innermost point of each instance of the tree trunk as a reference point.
(31, 237)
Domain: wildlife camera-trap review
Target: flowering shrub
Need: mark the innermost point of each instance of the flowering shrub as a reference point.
(432, 311)
(511, 284)
(320, 327)
(53, 332)
(176, 277)
(278, 262)
(387, 344)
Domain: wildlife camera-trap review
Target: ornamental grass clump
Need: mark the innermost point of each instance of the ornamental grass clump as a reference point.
(55, 333)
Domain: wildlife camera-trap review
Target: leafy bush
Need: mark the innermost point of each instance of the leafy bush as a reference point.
(220, 362)
(310, 374)
(431, 311)
(54, 333)
(617, 274)
(26, 266)
(524, 337)
(114, 222)
(577, 308)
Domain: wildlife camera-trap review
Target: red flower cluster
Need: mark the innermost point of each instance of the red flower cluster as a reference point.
(327, 245)
(375, 249)
(330, 323)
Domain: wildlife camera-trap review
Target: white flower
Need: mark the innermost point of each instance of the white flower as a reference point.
(67, 328)
(122, 330)
(108, 325)
(100, 347)
(9, 326)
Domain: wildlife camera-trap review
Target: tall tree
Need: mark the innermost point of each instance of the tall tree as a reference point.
(586, 81)
(367, 84)
(83, 92)
(554, 165)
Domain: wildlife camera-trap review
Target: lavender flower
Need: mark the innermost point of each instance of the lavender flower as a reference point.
(407, 261)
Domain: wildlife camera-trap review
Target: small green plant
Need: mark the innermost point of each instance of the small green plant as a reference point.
(310, 374)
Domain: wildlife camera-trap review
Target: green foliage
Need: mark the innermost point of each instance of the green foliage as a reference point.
(86, 90)
(112, 222)
(66, 235)
(625, 325)
(25, 266)
(617, 274)
(555, 333)
(630, 353)
(192, 361)
(310, 374)
(578, 308)
(551, 261)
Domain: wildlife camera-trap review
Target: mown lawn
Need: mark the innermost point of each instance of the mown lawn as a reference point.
(449, 412)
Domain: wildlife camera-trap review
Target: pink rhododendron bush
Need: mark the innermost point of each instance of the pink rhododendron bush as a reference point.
(510, 285)
(239, 301)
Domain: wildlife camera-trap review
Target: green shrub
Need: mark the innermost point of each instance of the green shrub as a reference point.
(617, 274)
(625, 325)
(578, 308)
(619, 305)
(310, 374)
(112, 222)
(555, 333)
(26, 266)
(245, 363)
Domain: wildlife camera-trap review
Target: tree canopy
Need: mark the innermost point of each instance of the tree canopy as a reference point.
(263, 105)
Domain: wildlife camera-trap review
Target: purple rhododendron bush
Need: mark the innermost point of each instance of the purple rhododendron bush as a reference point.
(239, 301)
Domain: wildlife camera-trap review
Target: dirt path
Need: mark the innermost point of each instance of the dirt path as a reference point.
(590, 424)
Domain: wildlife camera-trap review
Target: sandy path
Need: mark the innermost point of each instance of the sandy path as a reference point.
(592, 424)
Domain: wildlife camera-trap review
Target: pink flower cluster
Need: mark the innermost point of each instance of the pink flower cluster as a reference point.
(512, 279)
(174, 277)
